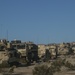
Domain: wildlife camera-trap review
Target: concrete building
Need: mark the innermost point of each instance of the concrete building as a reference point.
(52, 49)
(41, 49)
(63, 48)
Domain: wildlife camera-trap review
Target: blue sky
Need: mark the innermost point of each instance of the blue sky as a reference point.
(40, 21)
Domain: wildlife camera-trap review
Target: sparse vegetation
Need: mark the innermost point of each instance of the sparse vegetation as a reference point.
(55, 67)
(42, 70)
(69, 65)
(11, 70)
(4, 65)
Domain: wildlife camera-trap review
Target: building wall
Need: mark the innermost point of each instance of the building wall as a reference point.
(41, 50)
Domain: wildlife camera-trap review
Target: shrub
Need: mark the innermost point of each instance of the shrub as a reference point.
(45, 70)
(58, 63)
(42, 70)
(55, 67)
(11, 70)
(69, 65)
(4, 64)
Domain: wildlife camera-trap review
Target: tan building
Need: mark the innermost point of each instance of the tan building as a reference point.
(63, 49)
(3, 56)
(73, 46)
(52, 49)
(41, 49)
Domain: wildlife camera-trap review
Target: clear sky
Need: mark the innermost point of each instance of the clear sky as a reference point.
(40, 21)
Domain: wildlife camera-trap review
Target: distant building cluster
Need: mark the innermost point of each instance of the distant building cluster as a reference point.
(56, 49)
(32, 52)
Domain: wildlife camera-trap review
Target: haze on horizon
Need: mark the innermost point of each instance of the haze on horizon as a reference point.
(40, 21)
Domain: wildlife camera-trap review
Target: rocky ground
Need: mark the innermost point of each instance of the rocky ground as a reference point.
(27, 70)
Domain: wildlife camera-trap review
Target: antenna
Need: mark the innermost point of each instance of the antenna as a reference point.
(7, 35)
(1, 31)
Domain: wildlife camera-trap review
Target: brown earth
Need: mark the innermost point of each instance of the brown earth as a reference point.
(28, 70)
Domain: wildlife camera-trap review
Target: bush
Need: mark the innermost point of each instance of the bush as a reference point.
(11, 70)
(55, 67)
(58, 63)
(45, 70)
(69, 65)
(42, 70)
(4, 65)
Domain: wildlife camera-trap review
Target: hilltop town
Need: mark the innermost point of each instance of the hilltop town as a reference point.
(54, 49)
(20, 53)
